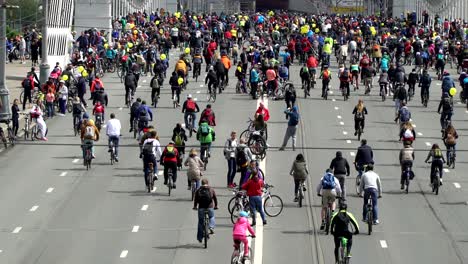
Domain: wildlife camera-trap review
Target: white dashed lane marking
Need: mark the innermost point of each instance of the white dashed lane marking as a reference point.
(342, 123)
(34, 208)
(339, 117)
(198, 92)
(446, 170)
(17, 230)
(348, 141)
(144, 207)
(333, 100)
(201, 85)
(383, 244)
(135, 229)
(124, 254)
(65, 173)
(428, 144)
(336, 108)
(352, 154)
(345, 133)
(457, 185)
(420, 134)
(50, 190)
(76, 160)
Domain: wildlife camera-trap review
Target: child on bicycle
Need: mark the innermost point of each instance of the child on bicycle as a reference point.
(239, 232)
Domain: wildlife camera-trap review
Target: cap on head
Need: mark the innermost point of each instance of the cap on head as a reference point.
(189, 96)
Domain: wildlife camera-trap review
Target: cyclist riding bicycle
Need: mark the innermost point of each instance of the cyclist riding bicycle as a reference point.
(197, 60)
(99, 111)
(240, 74)
(205, 200)
(169, 159)
(345, 79)
(299, 172)
(446, 105)
(239, 232)
(77, 109)
(209, 115)
(144, 115)
(113, 128)
(406, 161)
(425, 84)
(437, 161)
(364, 156)
(340, 228)
(190, 108)
(212, 80)
(328, 188)
(340, 168)
(372, 188)
(206, 135)
(450, 139)
(89, 134)
(150, 153)
(134, 112)
(36, 115)
(359, 112)
(130, 85)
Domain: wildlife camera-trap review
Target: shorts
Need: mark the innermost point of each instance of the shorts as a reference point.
(328, 197)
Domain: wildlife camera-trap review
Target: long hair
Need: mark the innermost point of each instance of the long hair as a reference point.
(360, 105)
(450, 129)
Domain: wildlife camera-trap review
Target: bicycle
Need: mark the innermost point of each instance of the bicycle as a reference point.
(240, 197)
(129, 99)
(328, 216)
(9, 138)
(300, 194)
(344, 91)
(196, 71)
(240, 205)
(425, 98)
(26, 126)
(88, 156)
(367, 85)
(343, 254)
(257, 144)
(98, 122)
(211, 95)
(190, 125)
(273, 204)
(358, 177)
(369, 215)
(76, 124)
(175, 99)
(383, 93)
(237, 256)
(193, 188)
(170, 184)
(112, 152)
(34, 132)
(360, 130)
(451, 156)
(204, 155)
(407, 176)
(436, 181)
(206, 227)
(150, 177)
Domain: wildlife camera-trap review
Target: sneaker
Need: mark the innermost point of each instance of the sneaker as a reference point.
(355, 133)
(281, 149)
(212, 231)
(173, 186)
(131, 129)
(45, 139)
(200, 241)
(376, 222)
(165, 182)
(402, 187)
(296, 199)
(234, 184)
(264, 222)
(116, 159)
(189, 187)
(305, 189)
(364, 220)
(440, 179)
(253, 224)
(155, 177)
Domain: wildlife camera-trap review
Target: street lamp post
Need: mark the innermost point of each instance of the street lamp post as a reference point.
(5, 112)
(44, 67)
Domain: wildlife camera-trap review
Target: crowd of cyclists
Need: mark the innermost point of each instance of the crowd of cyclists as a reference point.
(261, 48)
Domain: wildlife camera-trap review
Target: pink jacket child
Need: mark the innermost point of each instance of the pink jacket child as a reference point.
(239, 232)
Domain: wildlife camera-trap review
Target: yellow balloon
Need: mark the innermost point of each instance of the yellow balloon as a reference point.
(180, 81)
(65, 77)
(130, 45)
(453, 91)
(163, 56)
(84, 73)
(106, 46)
(80, 69)
(314, 25)
(135, 32)
(157, 22)
(317, 30)
(187, 50)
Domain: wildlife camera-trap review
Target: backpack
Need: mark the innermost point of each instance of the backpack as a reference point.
(170, 152)
(328, 182)
(179, 140)
(408, 134)
(89, 132)
(97, 86)
(77, 109)
(204, 197)
(205, 131)
(326, 75)
(365, 62)
(359, 115)
(241, 157)
(440, 56)
(404, 115)
(446, 106)
(143, 113)
(344, 75)
(147, 149)
(26, 83)
(190, 105)
(437, 153)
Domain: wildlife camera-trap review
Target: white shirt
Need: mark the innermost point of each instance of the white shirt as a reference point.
(113, 127)
(157, 152)
(370, 179)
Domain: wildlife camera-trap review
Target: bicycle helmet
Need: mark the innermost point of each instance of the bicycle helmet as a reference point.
(243, 214)
(85, 116)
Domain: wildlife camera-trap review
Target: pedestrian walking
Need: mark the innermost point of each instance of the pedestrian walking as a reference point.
(230, 155)
(254, 188)
(293, 120)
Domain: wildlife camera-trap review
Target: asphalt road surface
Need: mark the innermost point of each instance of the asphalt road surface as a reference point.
(52, 210)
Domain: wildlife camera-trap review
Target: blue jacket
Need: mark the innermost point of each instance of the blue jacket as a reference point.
(293, 116)
(447, 83)
(148, 110)
(254, 76)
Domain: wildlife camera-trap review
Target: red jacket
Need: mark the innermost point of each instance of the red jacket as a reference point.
(254, 187)
(312, 62)
(93, 84)
(263, 111)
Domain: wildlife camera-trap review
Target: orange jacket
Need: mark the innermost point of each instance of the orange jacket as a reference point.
(93, 84)
(226, 62)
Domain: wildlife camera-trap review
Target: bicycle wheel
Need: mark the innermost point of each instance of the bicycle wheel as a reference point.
(407, 182)
(21, 98)
(235, 213)
(435, 184)
(257, 145)
(359, 132)
(245, 134)
(11, 137)
(341, 254)
(358, 183)
(206, 229)
(273, 205)
(327, 221)
(234, 201)
(69, 106)
(370, 221)
(169, 184)
(301, 196)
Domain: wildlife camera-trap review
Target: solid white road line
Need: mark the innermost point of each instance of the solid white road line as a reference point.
(342, 123)
(428, 144)
(135, 229)
(65, 173)
(76, 160)
(383, 244)
(352, 154)
(50, 190)
(144, 207)
(457, 185)
(258, 255)
(348, 141)
(34, 208)
(124, 254)
(17, 229)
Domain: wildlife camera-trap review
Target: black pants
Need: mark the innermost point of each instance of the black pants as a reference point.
(357, 122)
(348, 236)
(15, 126)
(177, 91)
(27, 95)
(82, 99)
(155, 91)
(173, 166)
(132, 117)
(438, 163)
(129, 89)
(253, 89)
(404, 164)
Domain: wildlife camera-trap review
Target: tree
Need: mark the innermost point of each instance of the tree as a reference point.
(27, 15)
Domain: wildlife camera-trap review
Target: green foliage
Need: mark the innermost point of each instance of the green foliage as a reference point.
(11, 33)
(27, 15)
